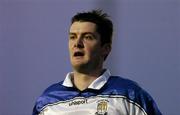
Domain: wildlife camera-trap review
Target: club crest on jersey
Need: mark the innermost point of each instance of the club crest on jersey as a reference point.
(102, 107)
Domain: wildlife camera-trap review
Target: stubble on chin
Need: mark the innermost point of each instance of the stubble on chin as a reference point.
(80, 68)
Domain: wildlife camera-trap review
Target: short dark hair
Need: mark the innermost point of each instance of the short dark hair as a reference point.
(102, 21)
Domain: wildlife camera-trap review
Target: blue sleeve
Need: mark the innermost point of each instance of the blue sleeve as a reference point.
(148, 103)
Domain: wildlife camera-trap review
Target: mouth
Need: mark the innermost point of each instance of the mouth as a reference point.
(78, 54)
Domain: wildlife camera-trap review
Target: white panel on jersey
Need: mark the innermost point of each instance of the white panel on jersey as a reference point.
(98, 105)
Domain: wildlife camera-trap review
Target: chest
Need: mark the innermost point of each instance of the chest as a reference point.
(97, 105)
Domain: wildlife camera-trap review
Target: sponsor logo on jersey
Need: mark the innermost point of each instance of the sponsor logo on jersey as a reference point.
(102, 107)
(78, 102)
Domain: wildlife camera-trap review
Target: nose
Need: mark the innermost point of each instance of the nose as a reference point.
(79, 43)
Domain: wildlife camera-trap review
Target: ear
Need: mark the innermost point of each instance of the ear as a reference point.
(106, 49)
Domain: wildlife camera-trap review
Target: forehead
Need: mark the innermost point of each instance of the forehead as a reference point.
(80, 27)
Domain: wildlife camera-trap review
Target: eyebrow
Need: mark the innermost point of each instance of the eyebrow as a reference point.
(72, 33)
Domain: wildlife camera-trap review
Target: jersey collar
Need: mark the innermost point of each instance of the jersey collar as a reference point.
(96, 84)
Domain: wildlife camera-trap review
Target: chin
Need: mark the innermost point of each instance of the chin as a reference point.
(79, 67)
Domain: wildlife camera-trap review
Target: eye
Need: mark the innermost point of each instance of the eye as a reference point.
(72, 37)
(88, 37)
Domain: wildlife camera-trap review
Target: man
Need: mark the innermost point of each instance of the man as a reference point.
(90, 89)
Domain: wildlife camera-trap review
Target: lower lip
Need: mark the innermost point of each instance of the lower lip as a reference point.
(78, 57)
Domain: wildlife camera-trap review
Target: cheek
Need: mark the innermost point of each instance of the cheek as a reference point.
(93, 51)
(69, 44)
(70, 47)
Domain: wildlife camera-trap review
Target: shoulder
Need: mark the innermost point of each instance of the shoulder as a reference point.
(57, 91)
(54, 87)
(125, 87)
(52, 94)
(119, 83)
(133, 92)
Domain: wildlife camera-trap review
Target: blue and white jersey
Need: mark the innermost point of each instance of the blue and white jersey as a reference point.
(107, 95)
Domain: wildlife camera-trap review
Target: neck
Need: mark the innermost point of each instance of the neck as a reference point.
(82, 81)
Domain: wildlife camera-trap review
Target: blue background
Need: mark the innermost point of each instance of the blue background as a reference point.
(34, 49)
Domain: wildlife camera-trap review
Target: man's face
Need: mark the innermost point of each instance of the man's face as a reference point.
(86, 52)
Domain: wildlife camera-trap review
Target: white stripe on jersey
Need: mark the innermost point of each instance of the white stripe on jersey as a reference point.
(97, 105)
